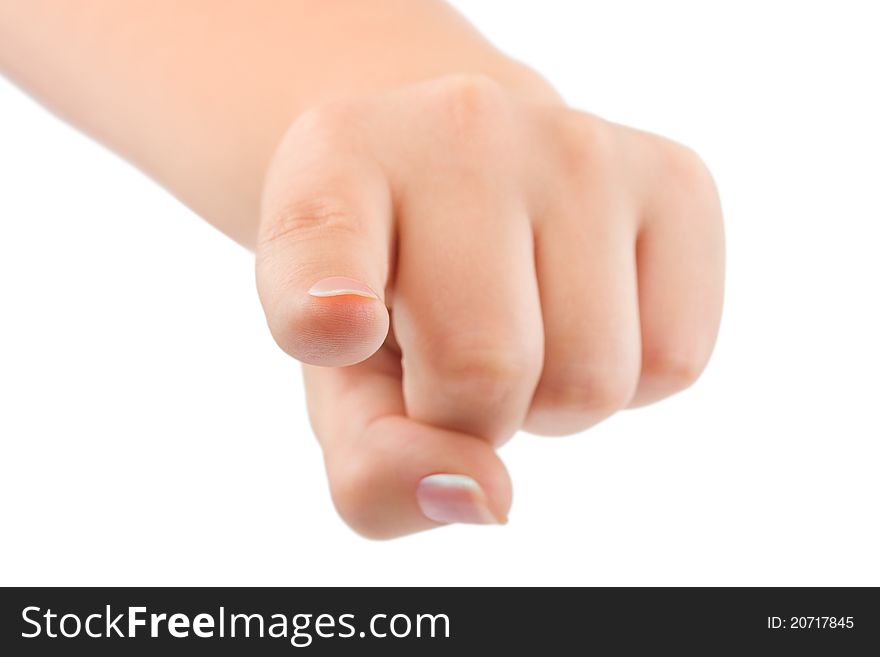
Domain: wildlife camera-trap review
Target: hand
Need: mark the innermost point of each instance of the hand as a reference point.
(454, 262)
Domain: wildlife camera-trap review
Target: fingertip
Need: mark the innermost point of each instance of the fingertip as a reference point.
(332, 329)
(402, 477)
(456, 498)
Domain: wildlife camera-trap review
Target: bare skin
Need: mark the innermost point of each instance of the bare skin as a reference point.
(453, 253)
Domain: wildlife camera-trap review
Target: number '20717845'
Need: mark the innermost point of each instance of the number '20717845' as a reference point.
(810, 622)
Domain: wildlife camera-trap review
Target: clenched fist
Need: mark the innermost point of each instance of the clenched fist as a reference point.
(454, 262)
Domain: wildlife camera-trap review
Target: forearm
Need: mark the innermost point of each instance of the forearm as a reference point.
(198, 93)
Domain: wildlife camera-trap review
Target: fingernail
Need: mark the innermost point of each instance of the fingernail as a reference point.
(336, 286)
(455, 498)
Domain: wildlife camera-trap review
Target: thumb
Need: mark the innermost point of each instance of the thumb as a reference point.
(323, 253)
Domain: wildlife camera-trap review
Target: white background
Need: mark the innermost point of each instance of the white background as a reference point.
(152, 433)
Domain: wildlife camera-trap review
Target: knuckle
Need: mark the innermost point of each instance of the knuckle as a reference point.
(589, 392)
(589, 148)
(326, 120)
(685, 162)
(306, 218)
(673, 371)
(684, 169)
(471, 104)
(489, 373)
